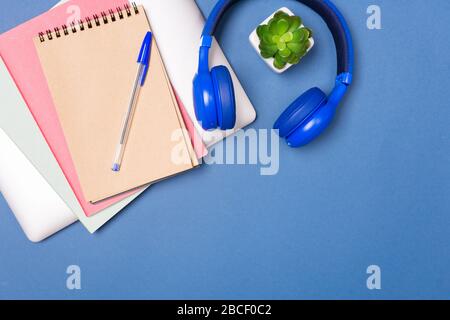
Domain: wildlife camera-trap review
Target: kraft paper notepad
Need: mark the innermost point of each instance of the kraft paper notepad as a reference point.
(90, 69)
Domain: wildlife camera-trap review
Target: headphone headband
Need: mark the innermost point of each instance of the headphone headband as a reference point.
(329, 13)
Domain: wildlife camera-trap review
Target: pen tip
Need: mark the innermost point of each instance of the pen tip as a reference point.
(116, 167)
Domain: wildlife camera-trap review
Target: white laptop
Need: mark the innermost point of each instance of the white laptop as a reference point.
(38, 208)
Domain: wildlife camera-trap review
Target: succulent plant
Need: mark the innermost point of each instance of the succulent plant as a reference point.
(284, 39)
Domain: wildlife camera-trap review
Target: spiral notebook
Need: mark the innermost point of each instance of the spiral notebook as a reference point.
(90, 68)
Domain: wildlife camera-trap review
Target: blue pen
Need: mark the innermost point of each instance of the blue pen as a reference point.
(143, 62)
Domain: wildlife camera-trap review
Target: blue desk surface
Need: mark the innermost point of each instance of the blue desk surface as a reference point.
(373, 190)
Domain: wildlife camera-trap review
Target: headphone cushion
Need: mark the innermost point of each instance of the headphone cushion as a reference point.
(312, 127)
(299, 111)
(204, 101)
(224, 97)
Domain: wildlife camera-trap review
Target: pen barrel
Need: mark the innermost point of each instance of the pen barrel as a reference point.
(127, 120)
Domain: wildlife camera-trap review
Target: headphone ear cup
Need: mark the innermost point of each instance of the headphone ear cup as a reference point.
(299, 110)
(205, 101)
(312, 127)
(224, 97)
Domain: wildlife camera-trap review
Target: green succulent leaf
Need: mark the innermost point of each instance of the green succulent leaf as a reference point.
(282, 26)
(271, 50)
(285, 53)
(278, 57)
(268, 38)
(297, 48)
(279, 64)
(286, 59)
(266, 54)
(294, 59)
(295, 23)
(308, 44)
(281, 46)
(300, 35)
(281, 14)
(273, 29)
(287, 37)
(262, 30)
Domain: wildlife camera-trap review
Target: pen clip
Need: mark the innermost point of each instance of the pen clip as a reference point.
(144, 55)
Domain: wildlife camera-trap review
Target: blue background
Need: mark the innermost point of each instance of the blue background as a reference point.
(373, 190)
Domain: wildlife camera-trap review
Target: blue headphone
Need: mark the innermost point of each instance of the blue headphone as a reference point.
(307, 117)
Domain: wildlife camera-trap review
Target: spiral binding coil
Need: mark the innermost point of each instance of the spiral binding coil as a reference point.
(90, 22)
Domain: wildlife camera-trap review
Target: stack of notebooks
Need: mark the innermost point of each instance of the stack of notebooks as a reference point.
(67, 81)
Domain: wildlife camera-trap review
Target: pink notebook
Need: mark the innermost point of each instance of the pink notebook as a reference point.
(20, 56)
